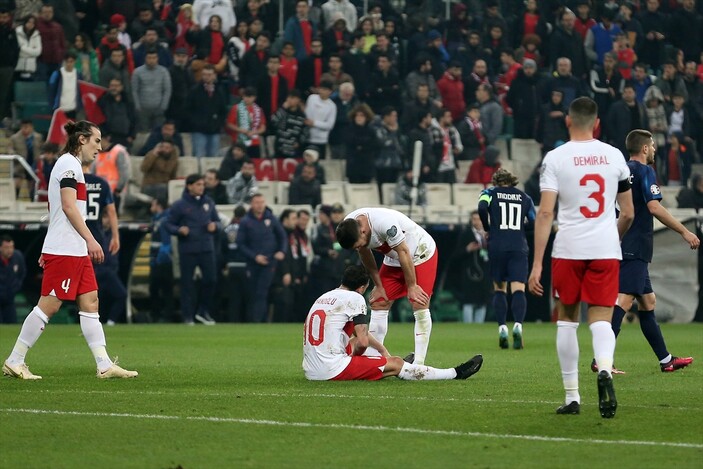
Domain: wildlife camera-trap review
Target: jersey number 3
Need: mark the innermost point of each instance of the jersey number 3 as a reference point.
(315, 330)
(595, 195)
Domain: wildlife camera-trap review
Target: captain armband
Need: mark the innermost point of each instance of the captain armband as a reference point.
(624, 185)
(361, 319)
(68, 182)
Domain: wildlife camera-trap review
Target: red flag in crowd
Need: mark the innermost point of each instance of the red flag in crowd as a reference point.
(57, 134)
(90, 94)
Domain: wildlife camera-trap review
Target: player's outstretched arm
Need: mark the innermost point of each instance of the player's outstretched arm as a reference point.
(543, 228)
(70, 209)
(664, 216)
(627, 212)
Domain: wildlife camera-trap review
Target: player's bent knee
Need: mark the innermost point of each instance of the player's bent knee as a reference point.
(393, 366)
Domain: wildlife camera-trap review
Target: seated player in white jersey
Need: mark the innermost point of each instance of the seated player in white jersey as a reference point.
(586, 177)
(69, 248)
(336, 336)
(409, 268)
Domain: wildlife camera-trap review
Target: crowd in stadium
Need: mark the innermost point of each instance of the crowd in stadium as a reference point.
(352, 80)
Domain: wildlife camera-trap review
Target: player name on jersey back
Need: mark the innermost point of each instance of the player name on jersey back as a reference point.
(591, 160)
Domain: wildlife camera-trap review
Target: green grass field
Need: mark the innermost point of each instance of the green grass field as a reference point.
(234, 396)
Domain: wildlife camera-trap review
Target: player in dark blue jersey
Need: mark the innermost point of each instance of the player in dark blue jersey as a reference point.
(637, 247)
(505, 212)
(99, 200)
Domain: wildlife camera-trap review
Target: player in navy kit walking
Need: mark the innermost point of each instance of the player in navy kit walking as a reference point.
(505, 211)
(637, 247)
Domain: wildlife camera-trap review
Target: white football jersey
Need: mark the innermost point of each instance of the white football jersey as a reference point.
(62, 238)
(586, 175)
(389, 228)
(328, 328)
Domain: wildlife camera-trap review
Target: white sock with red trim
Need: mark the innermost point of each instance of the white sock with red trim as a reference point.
(32, 328)
(568, 352)
(95, 336)
(412, 372)
(423, 329)
(378, 327)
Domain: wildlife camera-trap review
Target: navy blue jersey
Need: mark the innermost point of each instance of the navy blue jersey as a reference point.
(99, 196)
(638, 241)
(505, 211)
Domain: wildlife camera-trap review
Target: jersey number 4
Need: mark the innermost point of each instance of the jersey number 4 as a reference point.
(315, 328)
(596, 195)
(510, 216)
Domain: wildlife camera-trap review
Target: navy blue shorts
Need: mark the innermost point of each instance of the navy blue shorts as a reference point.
(508, 266)
(634, 277)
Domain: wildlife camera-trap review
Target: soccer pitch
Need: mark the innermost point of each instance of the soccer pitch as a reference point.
(233, 396)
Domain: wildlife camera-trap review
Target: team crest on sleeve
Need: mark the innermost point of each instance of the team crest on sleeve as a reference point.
(654, 189)
(68, 174)
(206, 207)
(392, 231)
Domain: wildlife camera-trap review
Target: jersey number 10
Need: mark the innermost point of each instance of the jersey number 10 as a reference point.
(510, 216)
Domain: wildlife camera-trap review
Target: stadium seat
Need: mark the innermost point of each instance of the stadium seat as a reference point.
(439, 193)
(268, 189)
(282, 193)
(388, 193)
(466, 195)
(187, 165)
(175, 189)
(506, 134)
(187, 144)
(417, 213)
(136, 175)
(669, 196)
(333, 192)
(362, 195)
(139, 141)
(443, 214)
(212, 162)
(7, 190)
(31, 92)
(335, 170)
(463, 169)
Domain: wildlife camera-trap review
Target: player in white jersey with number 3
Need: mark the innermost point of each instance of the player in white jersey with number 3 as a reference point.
(409, 268)
(586, 177)
(336, 335)
(66, 257)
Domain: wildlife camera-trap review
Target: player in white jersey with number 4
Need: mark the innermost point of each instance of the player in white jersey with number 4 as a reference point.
(409, 268)
(336, 335)
(586, 177)
(66, 257)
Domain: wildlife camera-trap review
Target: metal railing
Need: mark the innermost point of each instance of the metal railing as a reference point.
(22, 162)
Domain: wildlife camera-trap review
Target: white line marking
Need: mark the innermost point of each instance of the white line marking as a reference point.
(380, 428)
(339, 396)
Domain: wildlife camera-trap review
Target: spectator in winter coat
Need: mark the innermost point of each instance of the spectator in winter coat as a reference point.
(671, 82)
(150, 42)
(263, 241)
(624, 116)
(209, 44)
(253, 64)
(337, 39)
(305, 188)
(345, 7)
(362, 146)
(385, 86)
(451, 89)
(686, 30)
(120, 116)
(207, 110)
(299, 30)
(606, 84)
(159, 166)
(311, 158)
(420, 104)
(656, 115)
(64, 93)
(288, 126)
(181, 83)
(116, 67)
(29, 41)
(471, 133)
(422, 75)
(390, 158)
(491, 113)
(237, 46)
(214, 187)
(110, 42)
(12, 272)
(566, 42)
(151, 91)
(232, 161)
(524, 99)
(242, 187)
(562, 79)
(53, 42)
(478, 76)
(272, 89)
(551, 127)
(483, 167)
(345, 101)
(195, 221)
(335, 73)
(159, 134)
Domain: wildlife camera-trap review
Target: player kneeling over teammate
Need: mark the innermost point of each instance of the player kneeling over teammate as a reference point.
(66, 257)
(336, 335)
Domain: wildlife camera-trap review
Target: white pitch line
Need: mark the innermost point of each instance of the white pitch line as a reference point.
(337, 396)
(380, 428)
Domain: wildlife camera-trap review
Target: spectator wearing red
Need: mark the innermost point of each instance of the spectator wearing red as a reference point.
(583, 22)
(122, 34)
(209, 44)
(310, 69)
(300, 30)
(184, 22)
(483, 167)
(238, 45)
(53, 42)
(337, 39)
(531, 22)
(253, 66)
(108, 43)
(451, 88)
(289, 65)
(272, 89)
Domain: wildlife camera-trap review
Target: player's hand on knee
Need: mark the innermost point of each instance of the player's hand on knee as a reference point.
(378, 297)
(418, 296)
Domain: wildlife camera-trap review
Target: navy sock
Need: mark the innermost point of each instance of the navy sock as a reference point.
(518, 305)
(618, 316)
(500, 306)
(651, 331)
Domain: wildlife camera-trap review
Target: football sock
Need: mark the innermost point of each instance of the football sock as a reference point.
(502, 328)
(603, 345)
(423, 329)
(378, 327)
(32, 328)
(618, 316)
(467, 312)
(518, 305)
(517, 327)
(95, 336)
(414, 372)
(653, 334)
(500, 306)
(568, 352)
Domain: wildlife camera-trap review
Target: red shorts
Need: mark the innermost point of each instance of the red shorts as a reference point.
(595, 282)
(393, 279)
(363, 368)
(67, 277)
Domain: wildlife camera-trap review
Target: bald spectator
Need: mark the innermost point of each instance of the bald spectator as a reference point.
(564, 81)
(451, 89)
(478, 75)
